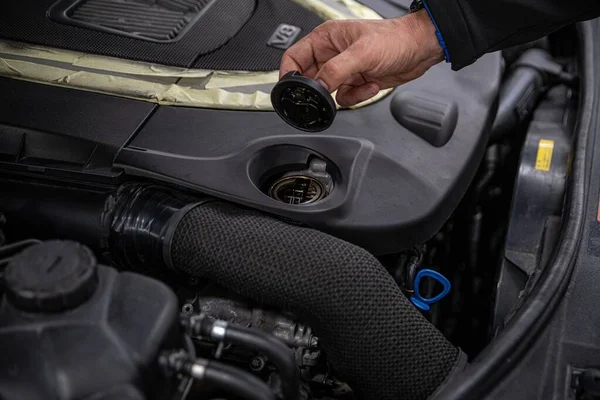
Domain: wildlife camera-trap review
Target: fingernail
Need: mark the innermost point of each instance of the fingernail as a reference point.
(343, 103)
(373, 90)
(322, 83)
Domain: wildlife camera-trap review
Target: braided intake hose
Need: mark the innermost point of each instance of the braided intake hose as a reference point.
(370, 332)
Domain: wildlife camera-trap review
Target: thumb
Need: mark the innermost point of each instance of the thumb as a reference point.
(340, 68)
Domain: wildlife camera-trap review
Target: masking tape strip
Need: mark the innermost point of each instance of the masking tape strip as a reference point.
(164, 94)
(326, 11)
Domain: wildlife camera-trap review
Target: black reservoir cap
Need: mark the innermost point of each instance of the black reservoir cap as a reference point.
(51, 277)
(303, 103)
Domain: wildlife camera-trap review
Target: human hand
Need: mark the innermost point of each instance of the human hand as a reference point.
(358, 58)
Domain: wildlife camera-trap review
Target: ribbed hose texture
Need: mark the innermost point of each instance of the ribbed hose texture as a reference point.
(372, 335)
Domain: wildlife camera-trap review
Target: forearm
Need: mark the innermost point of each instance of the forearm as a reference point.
(471, 28)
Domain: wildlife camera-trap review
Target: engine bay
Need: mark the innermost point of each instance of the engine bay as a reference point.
(152, 251)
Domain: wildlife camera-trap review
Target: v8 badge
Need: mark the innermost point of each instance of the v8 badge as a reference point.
(284, 36)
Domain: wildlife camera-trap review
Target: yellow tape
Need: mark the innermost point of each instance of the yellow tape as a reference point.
(325, 11)
(543, 161)
(141, 88)
(101, 63)
(360, 10)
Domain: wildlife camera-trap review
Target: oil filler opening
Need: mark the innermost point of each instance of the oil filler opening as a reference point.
(297, 189)
(303, 186)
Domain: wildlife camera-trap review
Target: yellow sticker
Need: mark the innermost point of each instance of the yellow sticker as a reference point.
(543, 160)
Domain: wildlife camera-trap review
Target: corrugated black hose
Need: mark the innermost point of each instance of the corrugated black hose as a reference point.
(370, 332)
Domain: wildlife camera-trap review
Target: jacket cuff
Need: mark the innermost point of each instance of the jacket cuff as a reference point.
(448, 16)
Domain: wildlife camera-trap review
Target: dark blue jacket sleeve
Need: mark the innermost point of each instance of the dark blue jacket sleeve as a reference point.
(471, 28)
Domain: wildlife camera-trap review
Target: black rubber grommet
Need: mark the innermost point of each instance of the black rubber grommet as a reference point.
(303, 103)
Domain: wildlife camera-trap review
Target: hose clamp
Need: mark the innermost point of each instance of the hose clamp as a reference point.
(198, 369)
(172, 225)
(219, 329)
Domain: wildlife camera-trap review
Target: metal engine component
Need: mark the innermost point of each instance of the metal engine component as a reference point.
(297, 189)
(281, 325)
(303, 187)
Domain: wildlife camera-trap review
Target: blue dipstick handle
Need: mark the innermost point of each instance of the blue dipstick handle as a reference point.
(425, 304)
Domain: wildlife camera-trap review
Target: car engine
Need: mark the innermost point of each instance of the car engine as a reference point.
(154, 249)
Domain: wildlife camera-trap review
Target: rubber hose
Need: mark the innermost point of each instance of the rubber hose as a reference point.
(237, 382)
(370, 332)
(276, 351)
(262, 342)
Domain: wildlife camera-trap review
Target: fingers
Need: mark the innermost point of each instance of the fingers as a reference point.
(300, 57)
(340, 69)
(348, 96)
(310, 52)
(316, 49)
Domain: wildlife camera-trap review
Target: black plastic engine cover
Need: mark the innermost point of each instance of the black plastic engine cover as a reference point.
(78, 337)
(399, 166)
(393, 188)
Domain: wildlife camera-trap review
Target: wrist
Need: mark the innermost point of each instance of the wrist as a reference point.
(424, 35)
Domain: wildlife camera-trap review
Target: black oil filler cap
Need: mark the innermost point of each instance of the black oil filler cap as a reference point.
(52, 276)
(303, 103)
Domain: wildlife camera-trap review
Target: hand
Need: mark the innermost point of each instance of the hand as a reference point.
(358, 58)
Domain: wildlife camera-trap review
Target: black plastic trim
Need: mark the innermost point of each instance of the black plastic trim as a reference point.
(392, 189)
(511, 344)
(59, 12)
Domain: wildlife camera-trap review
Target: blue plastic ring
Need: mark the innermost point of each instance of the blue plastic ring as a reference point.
(423, 303)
